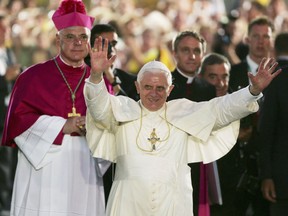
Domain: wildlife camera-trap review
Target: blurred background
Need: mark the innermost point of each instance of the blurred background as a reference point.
(145, 28)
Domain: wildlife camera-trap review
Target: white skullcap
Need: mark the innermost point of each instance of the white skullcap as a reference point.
(155, 66)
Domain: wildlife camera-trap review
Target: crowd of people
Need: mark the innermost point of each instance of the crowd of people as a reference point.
(209, 47)
(31, 32)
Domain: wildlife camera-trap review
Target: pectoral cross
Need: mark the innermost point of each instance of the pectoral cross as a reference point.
(153, 139)
(73, 114)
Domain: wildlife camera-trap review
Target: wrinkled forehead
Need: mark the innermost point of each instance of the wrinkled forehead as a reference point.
(155, 74)
(75, 30)
(154, 78)
(155, 67)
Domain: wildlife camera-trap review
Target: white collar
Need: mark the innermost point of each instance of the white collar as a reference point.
(69, 64)
(253, 66)
(189, 78)
(146, 111)
(282, 57)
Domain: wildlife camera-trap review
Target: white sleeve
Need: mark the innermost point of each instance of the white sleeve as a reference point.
(98, 103)
(36, 142)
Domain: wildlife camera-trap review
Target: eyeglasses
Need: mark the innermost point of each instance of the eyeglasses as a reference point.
(70, 38)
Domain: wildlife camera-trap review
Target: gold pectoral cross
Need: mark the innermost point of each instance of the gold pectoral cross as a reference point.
(153, 139)
(74, 113)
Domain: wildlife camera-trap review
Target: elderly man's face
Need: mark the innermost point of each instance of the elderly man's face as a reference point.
(73, 43)
(153, 90)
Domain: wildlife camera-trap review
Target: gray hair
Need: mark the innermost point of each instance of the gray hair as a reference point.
(88, 31)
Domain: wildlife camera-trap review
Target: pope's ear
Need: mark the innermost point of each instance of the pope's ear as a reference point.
(170, 89)
(137, 87)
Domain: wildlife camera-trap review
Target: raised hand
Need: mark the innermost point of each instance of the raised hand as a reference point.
(264, 75)
(99, 60)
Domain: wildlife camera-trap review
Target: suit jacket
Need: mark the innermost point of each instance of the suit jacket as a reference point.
(238, 80)
(282, 63)
(200, 89)
(238, 76)
(240, 159)
(274, 133)
(128, 87)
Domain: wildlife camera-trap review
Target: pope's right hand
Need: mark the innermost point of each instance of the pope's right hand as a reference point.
(99, 60)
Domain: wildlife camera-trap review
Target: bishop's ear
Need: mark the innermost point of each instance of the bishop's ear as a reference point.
(57, 41)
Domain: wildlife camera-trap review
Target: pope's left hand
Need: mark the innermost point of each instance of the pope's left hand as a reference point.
(264, 75)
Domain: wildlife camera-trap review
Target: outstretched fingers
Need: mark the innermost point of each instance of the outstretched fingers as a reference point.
(272, 66)
(267, 64)
(268, 67)
(266, 73)
(98, 56)
(276, 73)
(98, 46)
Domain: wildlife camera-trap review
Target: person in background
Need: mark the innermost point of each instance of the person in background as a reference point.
(189, 47)
(56, 173)
(9, 71)
(148, 45)
(273, 127)
(152, 140)
(260, 42)
(249, 10)
(215, 69)
(188, 51)
(224, 38)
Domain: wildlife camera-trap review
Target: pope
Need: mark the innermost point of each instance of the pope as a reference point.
(152, 140)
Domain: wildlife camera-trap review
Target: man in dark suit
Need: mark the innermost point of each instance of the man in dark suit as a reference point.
(188, 51)
(260, 42)
(273, 126)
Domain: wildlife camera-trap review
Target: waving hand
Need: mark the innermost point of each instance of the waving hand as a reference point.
(264, 75)
(99, 60)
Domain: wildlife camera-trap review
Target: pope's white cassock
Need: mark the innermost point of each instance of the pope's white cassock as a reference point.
(155, 180)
